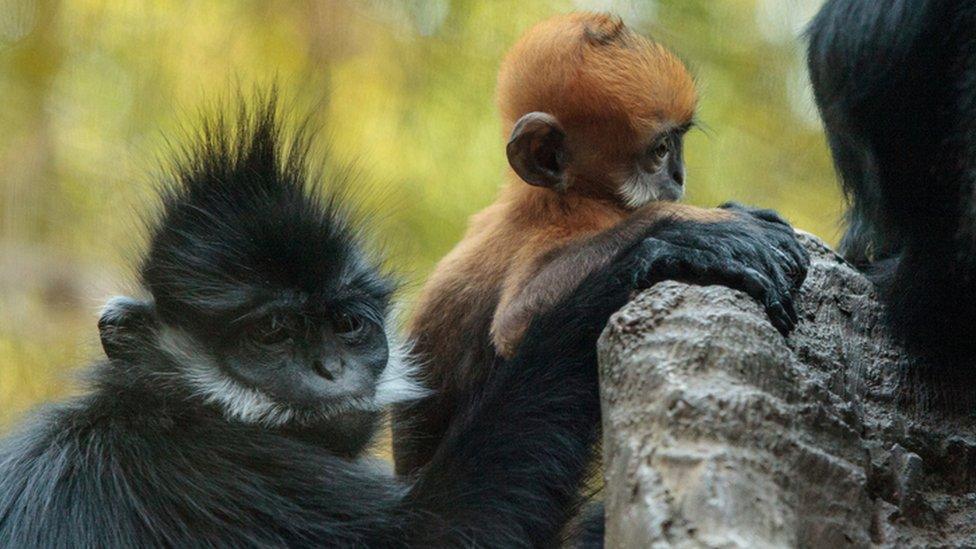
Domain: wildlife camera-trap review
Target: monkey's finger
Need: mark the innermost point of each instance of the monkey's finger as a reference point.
(655, 260)
(785, 281)
(790, 306)
(794, 258)
(801, 258)
(785, 286)
(804, 267)
(778, 311)
(779, 318)
(786, 260)
(763, 290)
(783, 289)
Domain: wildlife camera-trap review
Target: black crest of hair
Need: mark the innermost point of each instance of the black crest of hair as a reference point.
(139, 461)
(245, 218)
(896, 86)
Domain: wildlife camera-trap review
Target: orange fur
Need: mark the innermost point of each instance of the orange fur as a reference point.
(613, 92)
(610, 88)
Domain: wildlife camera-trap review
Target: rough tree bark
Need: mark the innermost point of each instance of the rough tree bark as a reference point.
(718, 432)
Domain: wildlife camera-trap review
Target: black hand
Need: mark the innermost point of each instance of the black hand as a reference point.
(783, 237)
(756, 252)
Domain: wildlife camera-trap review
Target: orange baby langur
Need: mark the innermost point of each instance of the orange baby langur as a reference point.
(595, 115)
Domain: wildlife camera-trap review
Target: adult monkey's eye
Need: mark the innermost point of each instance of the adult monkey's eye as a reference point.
(268, 330)
(347, 325)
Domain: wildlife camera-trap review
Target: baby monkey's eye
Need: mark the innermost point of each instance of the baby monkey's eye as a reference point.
(655, 155)
(347, 325)
(268, 330)
(660, 150)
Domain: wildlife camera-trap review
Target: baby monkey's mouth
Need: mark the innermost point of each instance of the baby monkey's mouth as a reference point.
(671, 191)
(641, 190)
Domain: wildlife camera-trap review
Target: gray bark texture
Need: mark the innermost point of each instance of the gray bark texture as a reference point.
(719, 432)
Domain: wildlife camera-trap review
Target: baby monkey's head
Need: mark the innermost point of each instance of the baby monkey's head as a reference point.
(596, 109)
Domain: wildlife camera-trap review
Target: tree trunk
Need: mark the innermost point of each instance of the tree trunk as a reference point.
(718, 432)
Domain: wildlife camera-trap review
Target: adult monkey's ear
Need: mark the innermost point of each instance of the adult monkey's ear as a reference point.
(537, 151)
(126, 327)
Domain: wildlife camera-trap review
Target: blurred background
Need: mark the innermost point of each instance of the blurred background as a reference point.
(90, 90)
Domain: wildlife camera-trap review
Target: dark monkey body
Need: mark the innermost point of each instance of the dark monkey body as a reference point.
(896, 86)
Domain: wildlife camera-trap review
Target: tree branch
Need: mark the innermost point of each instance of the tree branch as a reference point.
(719, 432)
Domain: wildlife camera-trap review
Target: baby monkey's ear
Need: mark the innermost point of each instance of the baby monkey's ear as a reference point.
(537, 151)
(126, 326)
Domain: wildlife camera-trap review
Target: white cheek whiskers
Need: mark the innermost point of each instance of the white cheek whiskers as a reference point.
(200, 372)
(400, 380)
(205, 379)
(638, 189)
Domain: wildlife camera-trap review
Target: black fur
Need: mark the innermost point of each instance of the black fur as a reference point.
(588, 530)
(895, 83)
(143, 460)
(241, 223)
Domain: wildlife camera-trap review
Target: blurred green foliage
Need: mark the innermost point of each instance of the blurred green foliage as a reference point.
(91, 89)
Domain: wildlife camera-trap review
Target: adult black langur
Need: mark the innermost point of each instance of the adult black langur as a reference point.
(896, 86)
(236, 402)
